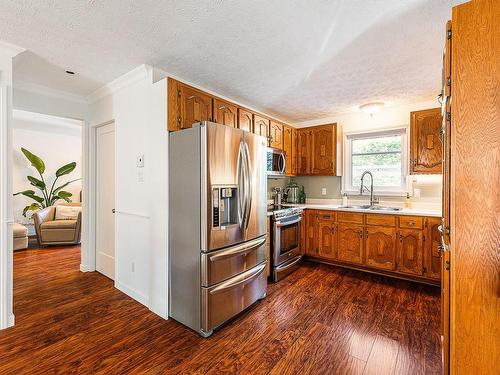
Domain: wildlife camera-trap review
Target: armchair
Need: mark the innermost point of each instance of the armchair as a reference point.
(56, 232)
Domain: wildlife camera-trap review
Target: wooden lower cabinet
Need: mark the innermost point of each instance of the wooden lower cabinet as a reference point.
(410, 252)
(350, 243)
(376, 242)
(327, 239)
(380, 247)
(432, 254)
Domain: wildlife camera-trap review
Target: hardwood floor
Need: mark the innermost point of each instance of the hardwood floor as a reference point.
(319, 320)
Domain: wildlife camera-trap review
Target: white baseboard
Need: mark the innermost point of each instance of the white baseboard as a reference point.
(139, 297)
(11, 321)
(83, 268)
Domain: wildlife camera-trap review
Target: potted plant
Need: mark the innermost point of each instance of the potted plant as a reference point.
(46, 197)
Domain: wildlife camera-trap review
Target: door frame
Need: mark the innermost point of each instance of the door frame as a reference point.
(88, 259)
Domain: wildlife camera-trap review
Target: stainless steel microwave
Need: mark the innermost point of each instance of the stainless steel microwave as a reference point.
(276, 162)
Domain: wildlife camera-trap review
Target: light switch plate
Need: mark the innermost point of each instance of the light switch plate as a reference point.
(323, 191)
(140, 161)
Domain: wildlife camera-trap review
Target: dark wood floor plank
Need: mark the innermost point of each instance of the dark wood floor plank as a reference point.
(319, 320)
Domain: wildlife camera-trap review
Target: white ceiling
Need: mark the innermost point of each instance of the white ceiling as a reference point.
(295, 59)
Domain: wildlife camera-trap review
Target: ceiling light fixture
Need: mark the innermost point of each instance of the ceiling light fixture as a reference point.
(70, 72)
(371, 108)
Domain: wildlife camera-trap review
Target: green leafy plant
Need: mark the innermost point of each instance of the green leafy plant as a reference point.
(48, 196)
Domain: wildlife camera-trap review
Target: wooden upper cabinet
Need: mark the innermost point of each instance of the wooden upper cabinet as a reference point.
(261, 125)
(327, 239)
(303, 152)
(350, 243)
(432, 249)
(245, 120)
(293, 171)
(225, 113)
(323, 150)
(380, 247)
(288, 148)
(426, 152)
(187, 105)
(410, 251)
(276, 134)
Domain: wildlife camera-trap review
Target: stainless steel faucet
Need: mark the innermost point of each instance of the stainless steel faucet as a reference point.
(373, 200)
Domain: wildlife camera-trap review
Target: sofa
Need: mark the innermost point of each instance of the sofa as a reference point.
(54, 230)
(20, 234)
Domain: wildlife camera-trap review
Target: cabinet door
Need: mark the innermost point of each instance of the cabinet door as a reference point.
(327, 239)
(323, 150)
(426, 152)
(303, 152)
(245, 120)
(287, 147)
(432, 256)
(194, 106)
(225, 113)
(294, 152)
(261, 125)
(311, 232)
(410, 251)
(276, 134)
(350, 243)
(380, 247)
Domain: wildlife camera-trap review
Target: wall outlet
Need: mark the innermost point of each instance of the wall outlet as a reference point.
(323, 191)
(140, 175)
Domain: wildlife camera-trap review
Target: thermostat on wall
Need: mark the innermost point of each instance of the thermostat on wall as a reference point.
(140, 161)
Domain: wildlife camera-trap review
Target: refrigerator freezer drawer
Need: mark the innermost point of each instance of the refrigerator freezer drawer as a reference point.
(225, 300)
(221, 265)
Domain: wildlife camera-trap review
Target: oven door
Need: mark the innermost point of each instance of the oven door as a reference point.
(286, 239)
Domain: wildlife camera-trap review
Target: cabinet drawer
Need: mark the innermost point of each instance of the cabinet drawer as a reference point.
(411, 222)
(384, 220)
(350, 217)
(326, 215)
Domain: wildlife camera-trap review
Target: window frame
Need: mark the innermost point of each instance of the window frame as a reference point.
(385, 191)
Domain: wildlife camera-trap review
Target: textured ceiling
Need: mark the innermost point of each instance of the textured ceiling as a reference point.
(296, 59)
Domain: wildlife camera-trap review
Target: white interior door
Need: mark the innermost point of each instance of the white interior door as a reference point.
(105, 200)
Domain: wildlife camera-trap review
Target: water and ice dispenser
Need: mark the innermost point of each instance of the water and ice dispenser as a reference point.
(224, 206)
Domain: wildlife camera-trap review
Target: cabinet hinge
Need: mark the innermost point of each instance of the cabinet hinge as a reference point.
(448, 81)
(179, 93)
(448, 34)
(447, 265)
(448, 116)
(179, 119)
(424, 269)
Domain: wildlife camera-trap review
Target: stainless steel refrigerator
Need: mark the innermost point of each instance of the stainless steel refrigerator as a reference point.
(217, 230)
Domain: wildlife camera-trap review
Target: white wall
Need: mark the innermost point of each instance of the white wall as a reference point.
(138, 107)
(57, 141)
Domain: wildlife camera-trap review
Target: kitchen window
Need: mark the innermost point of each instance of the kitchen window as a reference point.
(384, 154)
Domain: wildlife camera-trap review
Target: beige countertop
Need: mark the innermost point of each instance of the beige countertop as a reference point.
(337, 207)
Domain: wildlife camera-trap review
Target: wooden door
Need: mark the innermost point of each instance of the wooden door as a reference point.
(432, 256)
(323, 150)
(194, 106)
(380, 247)
(276, 134)
(261, 125)
(304, 152)
(105, 200)
(245, 120)
(294, 152)
(311, 233)
(410, 251)
(225, 113)
(287, 147)
(350, 243)
(426, 152)
(327, 239)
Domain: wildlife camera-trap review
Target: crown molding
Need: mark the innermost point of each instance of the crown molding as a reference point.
(21, 115)
(10, 49)
(34, 88)
(125, 80)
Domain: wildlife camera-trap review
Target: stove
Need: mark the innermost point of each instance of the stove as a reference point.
(285, 240)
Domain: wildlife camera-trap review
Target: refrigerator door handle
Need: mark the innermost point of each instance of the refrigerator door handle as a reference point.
(249, 185)
(241, 186)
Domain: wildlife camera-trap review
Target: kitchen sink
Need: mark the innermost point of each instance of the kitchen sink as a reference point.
(371, 208)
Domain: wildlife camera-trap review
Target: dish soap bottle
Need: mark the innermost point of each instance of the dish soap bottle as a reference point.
(408, 203)
(302, 195)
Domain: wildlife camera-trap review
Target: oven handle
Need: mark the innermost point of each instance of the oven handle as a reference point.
(288, 265)
(282, 224)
